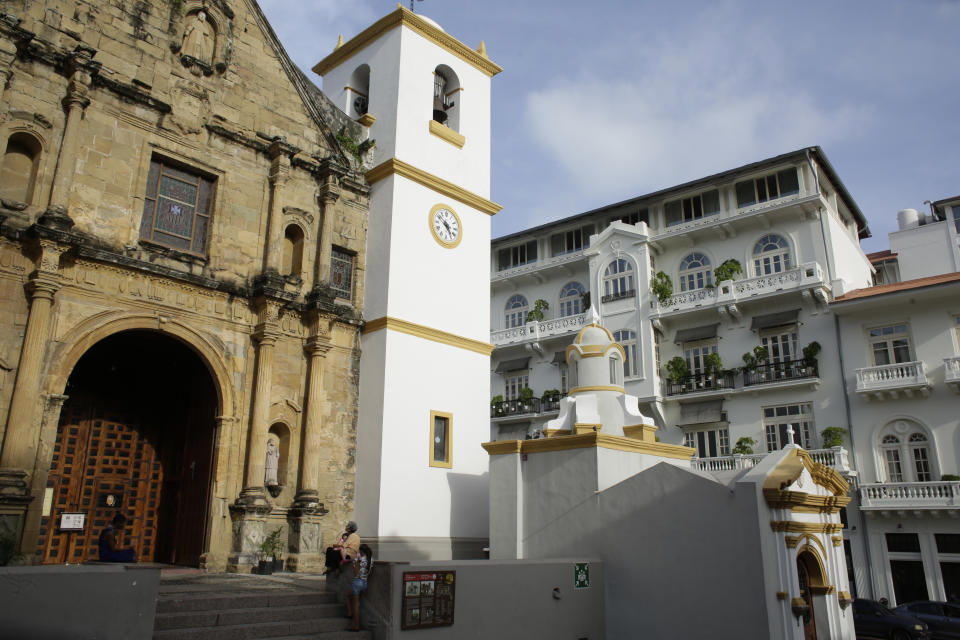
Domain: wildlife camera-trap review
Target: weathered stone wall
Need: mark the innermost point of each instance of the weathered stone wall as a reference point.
(105, 87)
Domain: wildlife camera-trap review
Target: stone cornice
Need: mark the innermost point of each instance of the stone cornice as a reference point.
(394, 166)
(589, 440)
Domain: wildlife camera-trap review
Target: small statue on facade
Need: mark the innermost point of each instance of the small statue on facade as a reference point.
(198, 39)
(272, 462)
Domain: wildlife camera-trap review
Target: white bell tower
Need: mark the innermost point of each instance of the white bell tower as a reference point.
(422, 484)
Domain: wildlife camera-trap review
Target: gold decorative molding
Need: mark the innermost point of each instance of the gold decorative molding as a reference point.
(600, 387)
(837, 541)
(549, 433)
(428, 333)
(782, 595)
(444, 187)
(806, 527)
(586, 427)
(790, 468)
(591, 440)
(366, 119)
(822, 591)
(799, 502)
(447, 134)
(407, 18)
(645, 432)
(793, 541)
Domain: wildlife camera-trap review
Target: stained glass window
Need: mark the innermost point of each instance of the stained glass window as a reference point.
(177, 207)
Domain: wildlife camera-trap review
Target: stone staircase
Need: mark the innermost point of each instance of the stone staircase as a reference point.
(235, 607)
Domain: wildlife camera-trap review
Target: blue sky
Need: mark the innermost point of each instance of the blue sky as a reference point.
(604, 100)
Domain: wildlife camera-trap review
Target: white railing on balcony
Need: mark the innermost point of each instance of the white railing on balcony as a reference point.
(835, 458)
(537, 265)
(952, 369)
(536, 331)
(910, 495)
(806, 276)
(888, 377)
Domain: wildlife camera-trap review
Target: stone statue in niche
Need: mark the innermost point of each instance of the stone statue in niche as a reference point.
(271, 465)
(199, 44)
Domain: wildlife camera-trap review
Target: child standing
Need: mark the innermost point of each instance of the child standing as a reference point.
(362, 567)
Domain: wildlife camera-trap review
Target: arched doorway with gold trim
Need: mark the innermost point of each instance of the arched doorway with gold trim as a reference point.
(136, 435)
(814, 589)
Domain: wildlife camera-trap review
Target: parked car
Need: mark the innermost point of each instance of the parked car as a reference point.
(873, 621)
(943, 618)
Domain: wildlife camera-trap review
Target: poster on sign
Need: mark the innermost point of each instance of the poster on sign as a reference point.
(72, 521)
(428, 599)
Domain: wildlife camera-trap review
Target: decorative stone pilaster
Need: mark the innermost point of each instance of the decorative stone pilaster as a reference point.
(248, 529)
(280, 153)
(305, 539)
(78, 89)
(266, 335)
(327, 197)
(317, 347)
(8, 53)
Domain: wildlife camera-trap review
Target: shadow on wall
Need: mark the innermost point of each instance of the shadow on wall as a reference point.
(469, 514)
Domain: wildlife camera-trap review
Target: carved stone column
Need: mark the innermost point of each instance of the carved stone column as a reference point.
(20, 441)
(18, 456)
(8, 53)
(328, 196)
(48, 439)
(280, 153)
(266, 335)
(78, 89)
(307, 492)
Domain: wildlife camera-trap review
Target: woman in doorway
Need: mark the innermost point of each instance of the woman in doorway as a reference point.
(107, 544)
(362, 566)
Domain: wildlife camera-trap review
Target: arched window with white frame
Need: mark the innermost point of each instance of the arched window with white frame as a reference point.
(906, 453)
(695, 272)
(446, 97)
(618, 280)
(516, 312)
(628, 340)
(771, 255)
(571, 299)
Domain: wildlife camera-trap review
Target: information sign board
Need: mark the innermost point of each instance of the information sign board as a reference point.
(72, 521)
(428, 599)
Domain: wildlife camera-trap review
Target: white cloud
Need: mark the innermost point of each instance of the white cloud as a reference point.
(654, 112)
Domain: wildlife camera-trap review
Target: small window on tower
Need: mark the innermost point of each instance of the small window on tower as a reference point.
(341, 273)
(446, 97)
(441, 439)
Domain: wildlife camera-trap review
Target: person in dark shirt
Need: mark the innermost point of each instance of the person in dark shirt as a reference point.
(109, 552)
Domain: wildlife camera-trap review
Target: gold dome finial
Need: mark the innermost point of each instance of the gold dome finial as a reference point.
(339, 42)
(482, 49)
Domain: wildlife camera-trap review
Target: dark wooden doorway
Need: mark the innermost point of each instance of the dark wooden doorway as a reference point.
(135, 436)
(804, 573)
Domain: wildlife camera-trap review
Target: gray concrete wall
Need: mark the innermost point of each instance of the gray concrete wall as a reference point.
(78, 602)
(496, 599)
(681, 556)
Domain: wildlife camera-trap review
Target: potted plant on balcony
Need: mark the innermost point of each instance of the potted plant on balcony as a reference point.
(832, 437)
(730, 269)
(585, 300)
(662, 287)
(744, 446)
(950, 477)
(714, 369)
(536, 314)
(678, 372)
(526, 399)
(496, 404)
(549, 397)
(757, 360)
(810, 353)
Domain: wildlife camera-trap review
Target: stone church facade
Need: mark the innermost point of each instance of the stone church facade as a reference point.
(182, 231)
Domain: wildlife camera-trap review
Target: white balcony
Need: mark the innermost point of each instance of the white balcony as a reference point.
(536, 331)
(835, 458)
(951, 375)
(808, 279)
(910, 496)
(537, 268)
(893, 380)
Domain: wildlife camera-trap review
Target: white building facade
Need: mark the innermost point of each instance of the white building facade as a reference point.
(725, 367)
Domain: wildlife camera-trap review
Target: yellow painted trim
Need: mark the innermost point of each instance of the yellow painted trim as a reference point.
(793, 541)
(447, 134)
(592, 440)
(605, 387)
(822, 591)
(645, 432)
(549, 433)
(409, 19)
(366, 120)
(800, 502)
(448, 464)
(790, 468)
(782, 595)
(837, 541)
(428, 333)
(433, 232)
(806, 527)
(579, 338)
(441, 186)
(357, 91)
(586, 427)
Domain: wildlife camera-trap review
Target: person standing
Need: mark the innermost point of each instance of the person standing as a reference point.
(362, 566)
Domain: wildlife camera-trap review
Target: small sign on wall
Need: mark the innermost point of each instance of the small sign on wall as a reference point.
(72, 521)
(428, 599)
(581, 575)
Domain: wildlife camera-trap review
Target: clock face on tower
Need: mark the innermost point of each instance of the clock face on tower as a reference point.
(445, 226)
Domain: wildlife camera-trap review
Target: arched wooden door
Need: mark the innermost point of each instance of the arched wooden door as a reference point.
(803, 575)
(135, 437)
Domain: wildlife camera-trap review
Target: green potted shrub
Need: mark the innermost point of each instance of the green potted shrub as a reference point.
(714, 368)
(744, 446)
(810, 353)
(760, 359)
(678, 372)
(950, 477)
(585, 300)
(278, 547)
(526, 398)
(832, 437)
(730, 269)
(662, 287)
(267, 546)
(536, 314)
(496, 403)
(550, 396)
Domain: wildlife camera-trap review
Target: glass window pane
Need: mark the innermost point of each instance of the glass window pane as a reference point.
(789, 183)
(711, 202)
(903, 543)
(745, 194)
(948, 542)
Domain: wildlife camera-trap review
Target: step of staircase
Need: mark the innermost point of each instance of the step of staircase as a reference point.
(225, 609)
